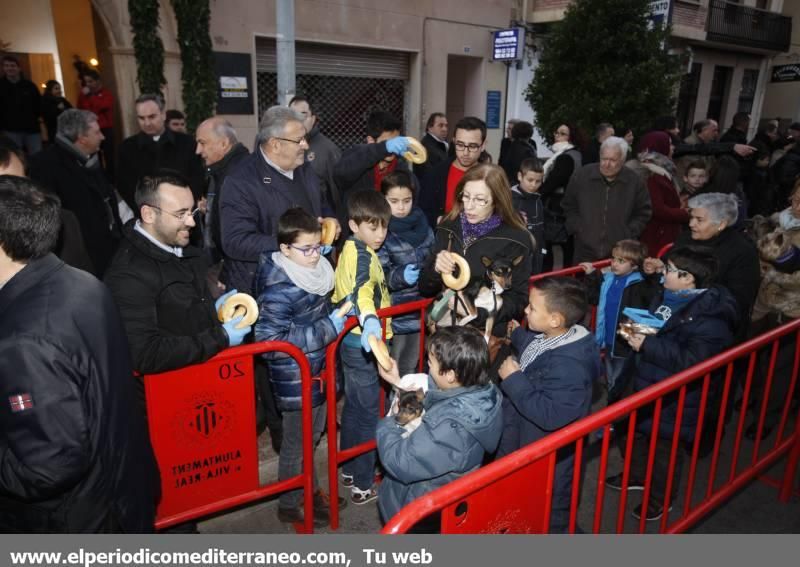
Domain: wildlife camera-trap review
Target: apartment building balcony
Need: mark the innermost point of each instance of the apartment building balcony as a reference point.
(745, 26)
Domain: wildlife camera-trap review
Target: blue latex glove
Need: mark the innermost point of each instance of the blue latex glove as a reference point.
(371, 327)
(338, 322)
(325, 249)
(411, 274)
(221, 299)
(235, 336)
(398, 145)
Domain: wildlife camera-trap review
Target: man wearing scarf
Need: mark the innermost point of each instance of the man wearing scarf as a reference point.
(71, 168)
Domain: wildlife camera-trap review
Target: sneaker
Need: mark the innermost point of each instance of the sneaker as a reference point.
(654, 511)
(360, 497)
(615, 483)
(347, 480)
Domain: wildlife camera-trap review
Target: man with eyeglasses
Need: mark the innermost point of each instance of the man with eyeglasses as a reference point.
(159, 283)
(274, 178)
(439, 184)
(363, 166)
(155, 148)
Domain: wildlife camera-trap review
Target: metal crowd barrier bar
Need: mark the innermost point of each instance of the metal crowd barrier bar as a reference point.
(335, 456)
(575, 272)
(513, 494)
(203, 430)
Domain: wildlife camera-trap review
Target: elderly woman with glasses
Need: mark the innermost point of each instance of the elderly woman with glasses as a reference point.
(483, 227)
(712, 217)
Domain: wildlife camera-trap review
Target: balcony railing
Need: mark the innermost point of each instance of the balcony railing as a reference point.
(742, 25)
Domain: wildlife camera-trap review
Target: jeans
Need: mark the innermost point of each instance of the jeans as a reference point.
(405, 350)
(31, 142)
(360, 412)
(618, 376)
(290, 461)
(638, 470)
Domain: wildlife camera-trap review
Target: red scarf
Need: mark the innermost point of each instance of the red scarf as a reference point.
(381, 173)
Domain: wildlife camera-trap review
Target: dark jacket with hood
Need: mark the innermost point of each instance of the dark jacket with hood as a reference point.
(84, 190)
(289, 313)
(702, 329)
(165, 304)
(459, 427)
(74, 455)
(397, 252)
(505, 241)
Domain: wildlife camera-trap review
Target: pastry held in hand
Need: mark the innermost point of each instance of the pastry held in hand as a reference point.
(239, 305)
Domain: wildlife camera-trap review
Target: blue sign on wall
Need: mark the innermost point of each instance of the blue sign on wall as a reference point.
(493, 103)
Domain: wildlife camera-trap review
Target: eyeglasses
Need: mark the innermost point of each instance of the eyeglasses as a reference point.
(307, 250)
(462, 147)
(477, 201)
(184, 216)
(795, 201)
(672, 269)
(562, 133)
(298, 142)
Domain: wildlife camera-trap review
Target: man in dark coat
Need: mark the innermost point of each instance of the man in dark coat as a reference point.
(605, 203)
(74, 453)
(156, 148)
(20, 107)
(71, 168)
(159, 284)
(363, 166)
(322, 153)
(591, 154)
(435, 141)
(221, 152)
(266, 184)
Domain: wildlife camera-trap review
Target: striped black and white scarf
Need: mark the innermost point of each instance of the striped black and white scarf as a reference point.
(542, 343)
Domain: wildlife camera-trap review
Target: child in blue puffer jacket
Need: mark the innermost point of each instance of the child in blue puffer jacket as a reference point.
(294, 286)
(462, 423)
(407, 246)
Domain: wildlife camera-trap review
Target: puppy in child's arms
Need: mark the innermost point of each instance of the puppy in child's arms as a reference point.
(407, 402)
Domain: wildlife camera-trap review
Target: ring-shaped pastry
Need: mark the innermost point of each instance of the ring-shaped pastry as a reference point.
(381, 352)
(239, 304)
(328, 231)
(464, 274)
(416, 152)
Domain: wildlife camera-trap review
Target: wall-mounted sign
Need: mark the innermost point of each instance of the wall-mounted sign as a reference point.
(508, 45)
(785, 73)
(660, 13)
(493, 104)
(234, 83)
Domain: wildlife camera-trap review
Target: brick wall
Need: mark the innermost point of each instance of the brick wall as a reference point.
(690, 15)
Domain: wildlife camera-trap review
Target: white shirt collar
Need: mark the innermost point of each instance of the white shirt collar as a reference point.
(177, 250)
(289, 174)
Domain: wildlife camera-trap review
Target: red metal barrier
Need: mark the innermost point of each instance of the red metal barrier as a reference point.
(203, 431)
(575, 272)
(335, 456)
(489, 499)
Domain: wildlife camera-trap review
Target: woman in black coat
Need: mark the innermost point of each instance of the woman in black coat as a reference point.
(53, 104)
(483, 224)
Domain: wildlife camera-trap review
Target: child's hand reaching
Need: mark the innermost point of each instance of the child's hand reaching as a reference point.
(652, 266)
(586, 267)
(392, 376)
(509, 366)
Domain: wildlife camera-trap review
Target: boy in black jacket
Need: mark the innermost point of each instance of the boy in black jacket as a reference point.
(551, 385)
(526, 199)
